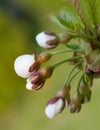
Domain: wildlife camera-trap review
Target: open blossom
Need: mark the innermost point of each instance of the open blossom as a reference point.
(22, 65)
(54, 107)
(47, 40)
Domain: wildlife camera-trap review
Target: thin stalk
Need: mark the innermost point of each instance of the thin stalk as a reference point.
(80, 82)
(68, 84)
(63, 51)
(70, 73)
(67, 60)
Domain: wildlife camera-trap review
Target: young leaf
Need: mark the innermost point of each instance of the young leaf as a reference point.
(85, 12)
(69, 17)
(57, 22)
(95, 7)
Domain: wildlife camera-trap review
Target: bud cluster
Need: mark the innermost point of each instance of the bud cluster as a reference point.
(29, 66)
(85, 59)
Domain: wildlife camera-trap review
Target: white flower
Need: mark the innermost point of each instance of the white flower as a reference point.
(47, 40)
(54, 107)
(22, 65)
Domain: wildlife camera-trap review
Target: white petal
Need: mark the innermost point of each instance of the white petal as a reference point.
(50, 111)
(29, 85)
(59, 105)
(54, 109)
(22, 64)
(42, 38)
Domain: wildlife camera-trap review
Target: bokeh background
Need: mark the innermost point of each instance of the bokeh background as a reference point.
(20, 109)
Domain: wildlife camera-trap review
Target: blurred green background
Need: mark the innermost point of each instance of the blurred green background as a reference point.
(20, 109)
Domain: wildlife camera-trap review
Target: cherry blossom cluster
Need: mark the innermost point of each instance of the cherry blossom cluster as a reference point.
(81, 38)
(29, 66)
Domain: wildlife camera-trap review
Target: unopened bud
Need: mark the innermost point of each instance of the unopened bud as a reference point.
(86, 99)
(84, 89)
(54, 107)
(64, 37)
(75, 108)
(46, 71)
(43, 57)
(75, 103)
(22, 65)
(37, 79)
(89, 78)
(47, 40)
(63, 92)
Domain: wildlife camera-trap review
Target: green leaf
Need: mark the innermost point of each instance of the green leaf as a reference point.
(69, 17)
(95, 7)
(55, 20)
(85, 12)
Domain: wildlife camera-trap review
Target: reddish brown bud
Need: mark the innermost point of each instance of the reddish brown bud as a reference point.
(46, 71)
(64, 37)
(43, 57)
(75, 103)
(63, 92)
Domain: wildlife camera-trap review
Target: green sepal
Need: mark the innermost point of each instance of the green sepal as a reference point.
(72, 46)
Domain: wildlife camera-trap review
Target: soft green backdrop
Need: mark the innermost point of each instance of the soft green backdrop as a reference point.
(21, 109)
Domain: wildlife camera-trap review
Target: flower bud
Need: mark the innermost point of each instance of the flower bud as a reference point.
(54, 107)
(37, 79)
(46, 71)
(64, 37)
(22, 65)
(35, 83)
(75, 107)
(43, 57)
(86, 98)
(47, 40)
(93, 65)
(64, 93)
(89, 79)
(75, 103)
(84, 89)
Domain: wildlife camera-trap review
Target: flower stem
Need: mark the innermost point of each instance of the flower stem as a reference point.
(63, 51)
(67, 60)
(82, 76)
(70, 73)
(68, 84)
